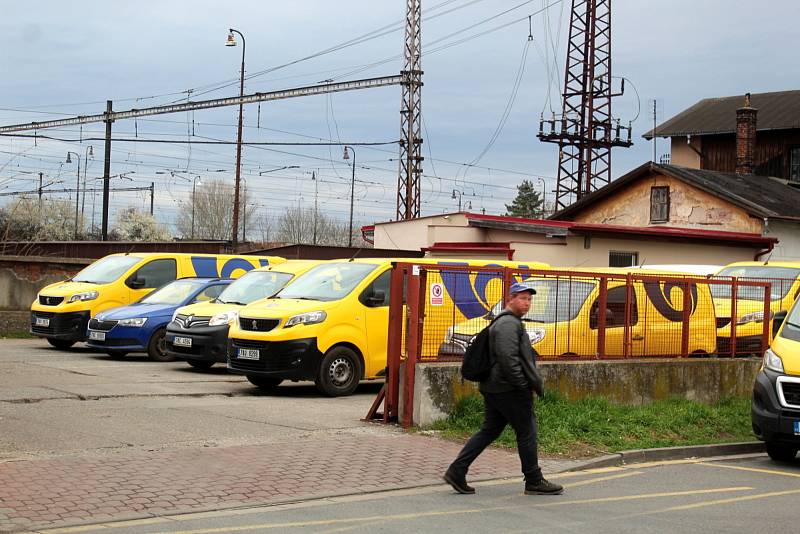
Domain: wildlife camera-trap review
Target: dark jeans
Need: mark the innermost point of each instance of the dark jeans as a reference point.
(514, 408)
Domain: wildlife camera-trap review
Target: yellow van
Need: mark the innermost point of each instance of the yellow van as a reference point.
(785, 279)
(198, 333)
(331, 324)
(564, 315)
(775, 410)
(61, 311)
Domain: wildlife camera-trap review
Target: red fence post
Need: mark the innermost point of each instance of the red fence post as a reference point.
(734, 313)
(413, 340)
(628, 343)
(767, 317)
(601, 317)
(394, 342)
(687, 311)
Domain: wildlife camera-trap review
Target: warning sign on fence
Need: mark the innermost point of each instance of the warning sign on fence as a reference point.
(437, 294)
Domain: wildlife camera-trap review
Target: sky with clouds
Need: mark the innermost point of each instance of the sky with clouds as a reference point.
(67, 58)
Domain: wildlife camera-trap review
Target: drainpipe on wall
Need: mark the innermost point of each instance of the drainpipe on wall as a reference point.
(745, 137)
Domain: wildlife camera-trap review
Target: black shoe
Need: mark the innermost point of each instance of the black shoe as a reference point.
(543, 487)
(459, 482)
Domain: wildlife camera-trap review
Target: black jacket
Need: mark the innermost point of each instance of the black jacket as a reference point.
(514, 360)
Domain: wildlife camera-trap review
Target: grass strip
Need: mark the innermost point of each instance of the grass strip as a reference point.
(594, 425)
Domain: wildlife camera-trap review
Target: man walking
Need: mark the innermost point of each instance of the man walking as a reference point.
(508, 397)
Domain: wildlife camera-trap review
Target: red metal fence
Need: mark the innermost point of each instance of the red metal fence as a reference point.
(436, 310)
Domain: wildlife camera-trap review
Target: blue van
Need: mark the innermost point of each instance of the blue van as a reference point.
(141, 327)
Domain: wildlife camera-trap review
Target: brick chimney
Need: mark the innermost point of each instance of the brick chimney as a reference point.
(745, 137)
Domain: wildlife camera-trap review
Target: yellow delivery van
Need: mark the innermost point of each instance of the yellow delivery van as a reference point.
(198, 333)
(564, 316)
(775, 410)
(331, 324)
(785, 279)
(61, 311)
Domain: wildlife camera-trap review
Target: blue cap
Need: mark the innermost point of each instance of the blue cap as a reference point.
(519, 287)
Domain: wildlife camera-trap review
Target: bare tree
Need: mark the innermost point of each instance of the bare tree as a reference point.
(304, 225)
(209, 214)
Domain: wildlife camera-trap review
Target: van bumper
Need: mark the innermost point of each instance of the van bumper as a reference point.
(123, 338)
(744, 345)
(298, 359)
(66, 326)
(771, 421)
(209, 343)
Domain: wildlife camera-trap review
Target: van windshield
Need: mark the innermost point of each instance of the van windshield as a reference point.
(555, 300)
(253, 286)
(781, 278)
(331, 281)
(106, 270)
(173, 293)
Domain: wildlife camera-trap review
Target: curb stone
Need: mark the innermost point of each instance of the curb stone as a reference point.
(670, 453)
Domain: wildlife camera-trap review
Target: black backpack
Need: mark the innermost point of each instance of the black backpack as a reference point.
(478, 361)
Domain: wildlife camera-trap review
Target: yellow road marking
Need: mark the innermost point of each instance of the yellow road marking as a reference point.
(603, 479)
(753, 469)
(408, 516)
(725, 501)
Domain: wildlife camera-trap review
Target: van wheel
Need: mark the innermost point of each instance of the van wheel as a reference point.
(780, 452)
(200, 364)
(60, 343)
(116, 354)
(339, 372)
(157, 347)
(266, 383)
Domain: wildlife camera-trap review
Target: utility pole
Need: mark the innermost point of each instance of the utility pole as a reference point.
(152, 194)
(410, 165)
(40, 191)
(107, 170)
(232, 42)
(316, 190)
(585, 131)
(654, 130)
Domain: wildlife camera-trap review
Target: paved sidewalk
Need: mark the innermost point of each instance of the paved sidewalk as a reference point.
(46, 493)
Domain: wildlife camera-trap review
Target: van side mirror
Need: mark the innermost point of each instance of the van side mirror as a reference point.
(135, 283)
(377, 298)
(777, 321)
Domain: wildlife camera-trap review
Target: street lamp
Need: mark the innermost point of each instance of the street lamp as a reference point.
(460, 194)
(87, 154)
(544, 196)
(232, 42)
(77, 188)
(194, 198)
(352, 191)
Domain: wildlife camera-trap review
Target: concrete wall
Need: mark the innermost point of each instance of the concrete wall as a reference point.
(21, 277)
(682, 154)
(788, 232)
(689, 208)
(438, 386)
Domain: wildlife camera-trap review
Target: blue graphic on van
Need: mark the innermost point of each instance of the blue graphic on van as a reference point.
(662, 300)
(472, 302)
(206, 267)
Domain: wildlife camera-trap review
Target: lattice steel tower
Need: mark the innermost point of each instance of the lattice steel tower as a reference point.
(585, 131)
(410, 168)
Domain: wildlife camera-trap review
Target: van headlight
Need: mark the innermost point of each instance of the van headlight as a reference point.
(219, 319)
(755, 317)
(135, 322)
(88, 295)
(306, 318)
(772, 361)
(536, 335)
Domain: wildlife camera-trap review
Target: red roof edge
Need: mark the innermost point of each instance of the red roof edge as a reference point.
(665, 231)
(470, 246)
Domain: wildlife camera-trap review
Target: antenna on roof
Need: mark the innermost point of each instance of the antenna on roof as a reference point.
(357, 252)
(766, 262)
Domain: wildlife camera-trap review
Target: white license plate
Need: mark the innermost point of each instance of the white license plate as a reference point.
(41, 321)
(182, 341)
(248, 354)
(97, 336)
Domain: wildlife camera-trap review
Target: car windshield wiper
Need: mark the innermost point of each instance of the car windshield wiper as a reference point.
(793, 324)
(233, 302)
